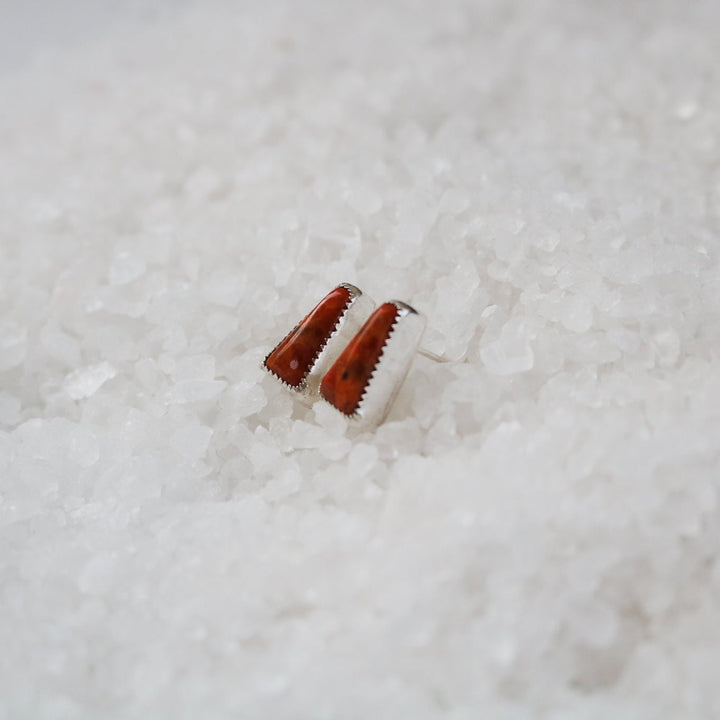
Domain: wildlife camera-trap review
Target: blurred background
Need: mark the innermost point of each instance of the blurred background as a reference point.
(30, 29)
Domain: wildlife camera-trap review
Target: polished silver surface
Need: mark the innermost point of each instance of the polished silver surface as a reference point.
(392, 368)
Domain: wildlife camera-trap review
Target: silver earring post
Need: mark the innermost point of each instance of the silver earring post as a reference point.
(430, 355)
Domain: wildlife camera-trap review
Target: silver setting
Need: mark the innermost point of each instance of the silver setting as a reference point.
(392, 367)
(356, 312)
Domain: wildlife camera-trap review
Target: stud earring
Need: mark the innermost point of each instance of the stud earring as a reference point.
(301, 359)
(364, 380)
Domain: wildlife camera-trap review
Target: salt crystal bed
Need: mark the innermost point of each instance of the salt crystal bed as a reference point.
(533, 533)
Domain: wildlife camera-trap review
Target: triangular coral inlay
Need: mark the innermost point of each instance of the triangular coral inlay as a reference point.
(344, 384)
(294, 356)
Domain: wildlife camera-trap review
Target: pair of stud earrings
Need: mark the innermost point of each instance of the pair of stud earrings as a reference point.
(349, 353)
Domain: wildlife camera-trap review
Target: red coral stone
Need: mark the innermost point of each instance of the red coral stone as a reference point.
(294, 356)
(344, 384)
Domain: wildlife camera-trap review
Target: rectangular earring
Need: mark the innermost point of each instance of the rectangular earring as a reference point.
(365, 378)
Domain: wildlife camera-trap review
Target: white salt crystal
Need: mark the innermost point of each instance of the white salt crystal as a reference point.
(304, 435)
(98, 574)
(262, 453)
(246, 399)
(224, 288)
(577, 314)
(158, 244)
(82, 446)
(193, 367)
(12, 347)
(329, 418)
(454, 201)
(149, 374)
(126, 267)
(9, 409)
(667, 346)
(203, 183)
(512, 353)
(61, 345)
(189, 391)
(366, 200)
(191, 442)
(286, 481)
(85, 382)
(334, 447)
(220, 325)
(626, 340)
(175, 339)
(362, 458)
